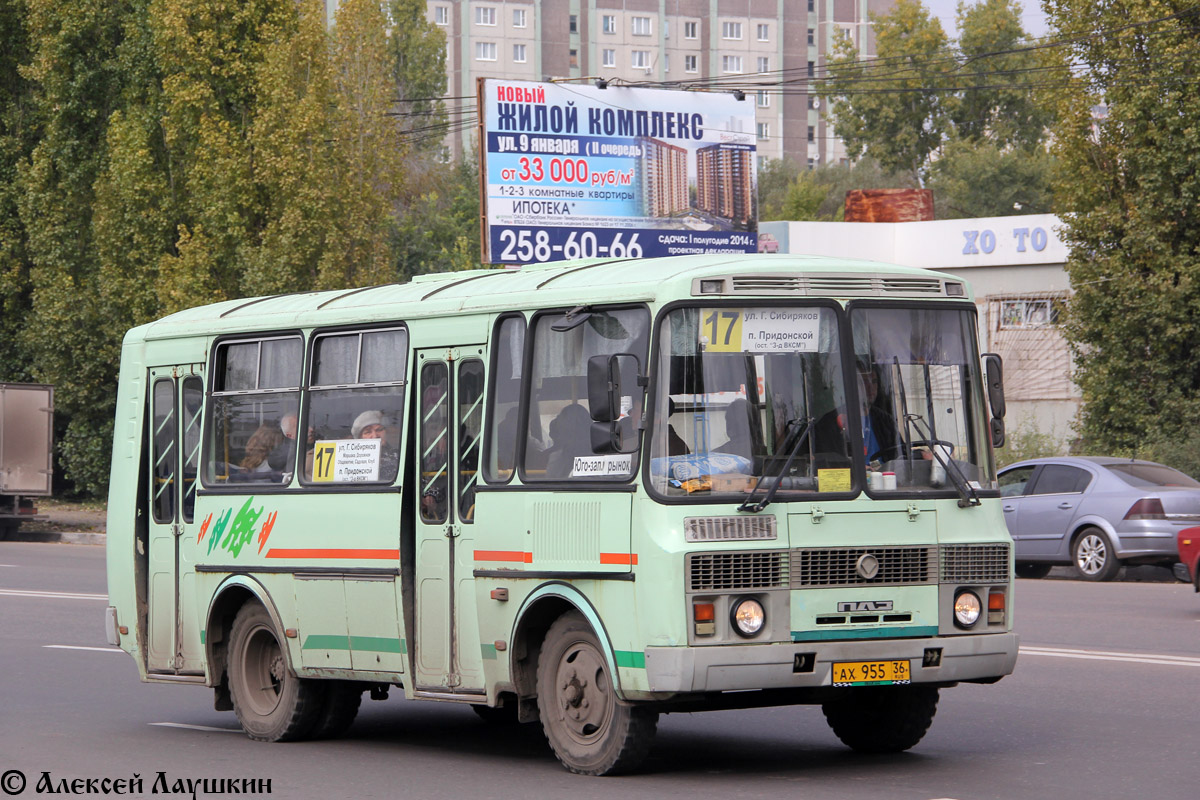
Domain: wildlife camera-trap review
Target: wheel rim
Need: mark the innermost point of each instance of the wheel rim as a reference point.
(263, 671)
(584, 697)
(1091, 554)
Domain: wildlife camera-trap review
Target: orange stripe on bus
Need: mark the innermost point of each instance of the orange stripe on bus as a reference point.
(504, 555)
(276, 552)
(618, 558)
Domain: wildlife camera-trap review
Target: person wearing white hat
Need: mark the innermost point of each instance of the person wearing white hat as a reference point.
(369, 425)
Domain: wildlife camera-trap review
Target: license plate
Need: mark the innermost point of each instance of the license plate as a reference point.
(865, 673)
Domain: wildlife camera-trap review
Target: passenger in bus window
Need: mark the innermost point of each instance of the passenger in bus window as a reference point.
(283, 457)
(371, 425)
(260, 445)
(570, 436)
(740, 441)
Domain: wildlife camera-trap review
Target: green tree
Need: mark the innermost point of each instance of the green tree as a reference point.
(1128, 169)
(418, 51)
(981, 179)
(438, 225)
(774, 178)
(889, 107)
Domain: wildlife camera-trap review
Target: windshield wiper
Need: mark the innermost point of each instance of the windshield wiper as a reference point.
(787, 465)
(966, 492)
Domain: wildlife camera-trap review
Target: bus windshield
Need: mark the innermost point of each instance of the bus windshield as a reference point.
(742, 389)
(757, 396)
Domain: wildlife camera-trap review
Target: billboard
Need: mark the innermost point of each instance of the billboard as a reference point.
(577, 171)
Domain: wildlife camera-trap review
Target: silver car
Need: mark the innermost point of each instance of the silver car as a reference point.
(1095, 513)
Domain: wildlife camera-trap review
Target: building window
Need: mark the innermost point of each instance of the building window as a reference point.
(573, 24)
(764, 99)
(573, 58)
(812, 133)
(441, 15)
(666, 62)
(608, 23)
(812, 37)
(764, 33)
(812, 6)
(812, 69)
(764, 130)
(485, 15)
(518, 54)
(518, 18)
(689, 63)
(485, 51)
(640, 59)
(731, 30)
(689, 30)
(1027, 314)
(764, 64)
(641, 26)
(731, 63)
(610, 58)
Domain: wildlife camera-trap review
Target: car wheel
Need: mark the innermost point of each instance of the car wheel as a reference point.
(882, 719)
(1033, 570)
(1094, 557)
(271, 703)
(590, 731)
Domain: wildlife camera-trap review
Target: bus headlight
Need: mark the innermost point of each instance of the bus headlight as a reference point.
(748, 617)
(967, 608)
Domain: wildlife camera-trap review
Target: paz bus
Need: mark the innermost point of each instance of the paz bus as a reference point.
(582, 494)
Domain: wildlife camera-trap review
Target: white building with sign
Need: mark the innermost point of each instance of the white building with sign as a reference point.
(1015, 265)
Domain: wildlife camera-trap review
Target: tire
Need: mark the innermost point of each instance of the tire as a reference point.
(339, 707)
(1093, 556)
(885, 719)
(271, 703)
(1033, 570)
(589, 729)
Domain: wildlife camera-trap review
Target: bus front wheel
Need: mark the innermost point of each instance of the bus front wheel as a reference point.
(885, 719)
(271, 703)
(589, 729)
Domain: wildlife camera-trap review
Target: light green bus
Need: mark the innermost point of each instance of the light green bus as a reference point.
(581, 493)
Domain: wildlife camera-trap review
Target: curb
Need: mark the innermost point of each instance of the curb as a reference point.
(63, 537)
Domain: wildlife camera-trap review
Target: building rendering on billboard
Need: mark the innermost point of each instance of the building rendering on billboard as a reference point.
(581, 171)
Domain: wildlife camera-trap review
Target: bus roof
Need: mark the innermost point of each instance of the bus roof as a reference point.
(558, 284)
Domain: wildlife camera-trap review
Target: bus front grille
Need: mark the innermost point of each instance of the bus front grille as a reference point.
(975, 563)
(864, 566)
(720, 572)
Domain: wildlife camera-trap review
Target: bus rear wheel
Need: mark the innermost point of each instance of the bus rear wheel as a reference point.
(590, 731)
(882, 719)
(271, 703)
(339, 707)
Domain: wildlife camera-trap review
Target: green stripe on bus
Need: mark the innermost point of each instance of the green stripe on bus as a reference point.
(631, 658)
(366, 644)
(866, 633)
(202, 636)
(489, 651)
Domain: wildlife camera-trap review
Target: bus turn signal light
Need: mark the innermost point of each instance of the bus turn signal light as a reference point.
(996, 607)
(705, 616)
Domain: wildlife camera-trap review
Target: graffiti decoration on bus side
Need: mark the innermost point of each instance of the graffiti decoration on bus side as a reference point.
(233, 537)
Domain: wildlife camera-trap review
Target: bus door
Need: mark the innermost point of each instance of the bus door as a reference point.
(449, 408)
(176, 405)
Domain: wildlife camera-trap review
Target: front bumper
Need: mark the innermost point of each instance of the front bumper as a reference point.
(771, 666)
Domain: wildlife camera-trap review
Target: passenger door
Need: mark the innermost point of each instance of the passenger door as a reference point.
(1050, 507)
(176, 407)
(449, 408)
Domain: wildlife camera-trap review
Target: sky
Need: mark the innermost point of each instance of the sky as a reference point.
(1031, 16)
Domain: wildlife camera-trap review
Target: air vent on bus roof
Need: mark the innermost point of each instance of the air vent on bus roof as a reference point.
(827, 284)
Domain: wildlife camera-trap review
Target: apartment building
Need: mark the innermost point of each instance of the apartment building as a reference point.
(777, 45)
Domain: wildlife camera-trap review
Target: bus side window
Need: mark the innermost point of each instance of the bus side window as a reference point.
(356, 391)
(508, 357)
(255, 385)
(469, 401)
(434, 453)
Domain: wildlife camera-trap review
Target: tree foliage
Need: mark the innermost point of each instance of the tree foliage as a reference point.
(1128, 169)
(161, 154)
(820, 194)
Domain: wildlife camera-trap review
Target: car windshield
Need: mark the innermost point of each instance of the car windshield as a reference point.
(921, 400)
(740, 390)
(1152, 475)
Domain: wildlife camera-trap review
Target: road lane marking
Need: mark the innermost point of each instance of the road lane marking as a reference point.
(195, 727)
(1106, 655)
(51, 595)
(81, 647)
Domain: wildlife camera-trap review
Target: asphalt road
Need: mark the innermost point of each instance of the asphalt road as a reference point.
(1103, 705)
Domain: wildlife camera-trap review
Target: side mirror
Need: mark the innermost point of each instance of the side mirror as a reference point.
(608, 379)
(993, 366)
(997, 426)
